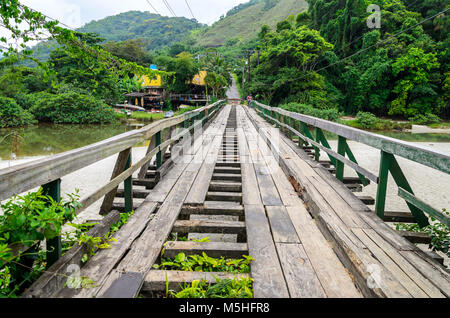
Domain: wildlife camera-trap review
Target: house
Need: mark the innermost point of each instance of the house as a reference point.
(152, 94)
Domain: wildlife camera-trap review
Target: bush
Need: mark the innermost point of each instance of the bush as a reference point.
(12, 115)
(426, 119)
(331, 114)
(71, 108)
(367, 120)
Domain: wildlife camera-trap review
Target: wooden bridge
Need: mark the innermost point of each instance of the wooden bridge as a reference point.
(255, 192)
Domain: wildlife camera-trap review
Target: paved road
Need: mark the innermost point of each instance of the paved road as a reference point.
(233, 92)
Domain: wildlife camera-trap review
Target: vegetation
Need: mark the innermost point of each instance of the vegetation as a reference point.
(240, 287)
(241, 24)
(12, 115)
(25, 220)
(35, 217)
(439, 233)
(306, 60)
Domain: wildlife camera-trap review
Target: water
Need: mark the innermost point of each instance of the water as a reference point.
(50, 139)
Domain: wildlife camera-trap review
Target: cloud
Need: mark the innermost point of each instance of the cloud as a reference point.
(76, 13)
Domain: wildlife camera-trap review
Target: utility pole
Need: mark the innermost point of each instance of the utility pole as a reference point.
(243, 79)
(249, 68)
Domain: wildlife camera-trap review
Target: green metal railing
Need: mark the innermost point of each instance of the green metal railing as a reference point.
(299, 125)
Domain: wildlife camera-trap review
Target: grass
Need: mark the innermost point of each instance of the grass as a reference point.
(440, 125)
(381, 125)
(149, 117)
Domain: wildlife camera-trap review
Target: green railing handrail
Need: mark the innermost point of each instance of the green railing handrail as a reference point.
(389, 147)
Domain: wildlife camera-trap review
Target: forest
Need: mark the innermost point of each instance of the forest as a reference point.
(328, 59)
(325, 62)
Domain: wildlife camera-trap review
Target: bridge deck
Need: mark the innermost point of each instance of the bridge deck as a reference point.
(254, 193)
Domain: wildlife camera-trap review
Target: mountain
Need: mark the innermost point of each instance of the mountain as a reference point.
(157, 30)
(243, 22)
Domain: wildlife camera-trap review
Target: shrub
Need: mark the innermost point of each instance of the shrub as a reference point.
(71, 108)
(12, 115)
(331, 114)
(426, 119)
(366, 120)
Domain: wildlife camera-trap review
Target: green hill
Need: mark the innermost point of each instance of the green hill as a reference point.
(157, 30)
(243, 22)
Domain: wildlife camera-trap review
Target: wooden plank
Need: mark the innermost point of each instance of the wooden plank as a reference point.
(416, 237)
(198, 192)
(145, 167)
(118, 169)
(409, 270)
(224, 196)
(300, 276)
(387, 262)
(269, 193)
(334, 278)
(53, 280)
(98, 268)
(158, 230)
(214, 208)
(283, 230)
(266, 268)
(438, 275)
(212, 249)
(156, 279)
(199, 226)
(216, 186)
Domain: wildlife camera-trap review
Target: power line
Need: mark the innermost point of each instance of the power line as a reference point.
(166, 3)
(187, 3)
(384, 41)
(154, 9)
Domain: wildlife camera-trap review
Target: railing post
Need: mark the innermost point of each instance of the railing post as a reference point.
(382, 185)
(128, 187)
(54, 246)
(159, 154)
(342, 147)
(317, 150)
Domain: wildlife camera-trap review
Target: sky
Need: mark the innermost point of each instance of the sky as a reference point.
(76, 13)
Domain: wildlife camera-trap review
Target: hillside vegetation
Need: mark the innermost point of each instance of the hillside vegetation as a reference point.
(157, 30)
(242, 23)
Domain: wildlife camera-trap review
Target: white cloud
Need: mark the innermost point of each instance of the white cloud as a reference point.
(78, 12)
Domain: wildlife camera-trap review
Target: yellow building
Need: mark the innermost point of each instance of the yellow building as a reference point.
(199, 79)
(156, 81)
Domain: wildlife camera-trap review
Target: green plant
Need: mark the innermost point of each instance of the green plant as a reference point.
(204, 263)
(426, 119)
(71, 107)
(239, 287)
(439, 233)
(330, 114)
(12, 115)
(35, 216)
(27, 219)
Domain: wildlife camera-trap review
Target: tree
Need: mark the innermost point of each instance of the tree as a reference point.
(132, 50)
